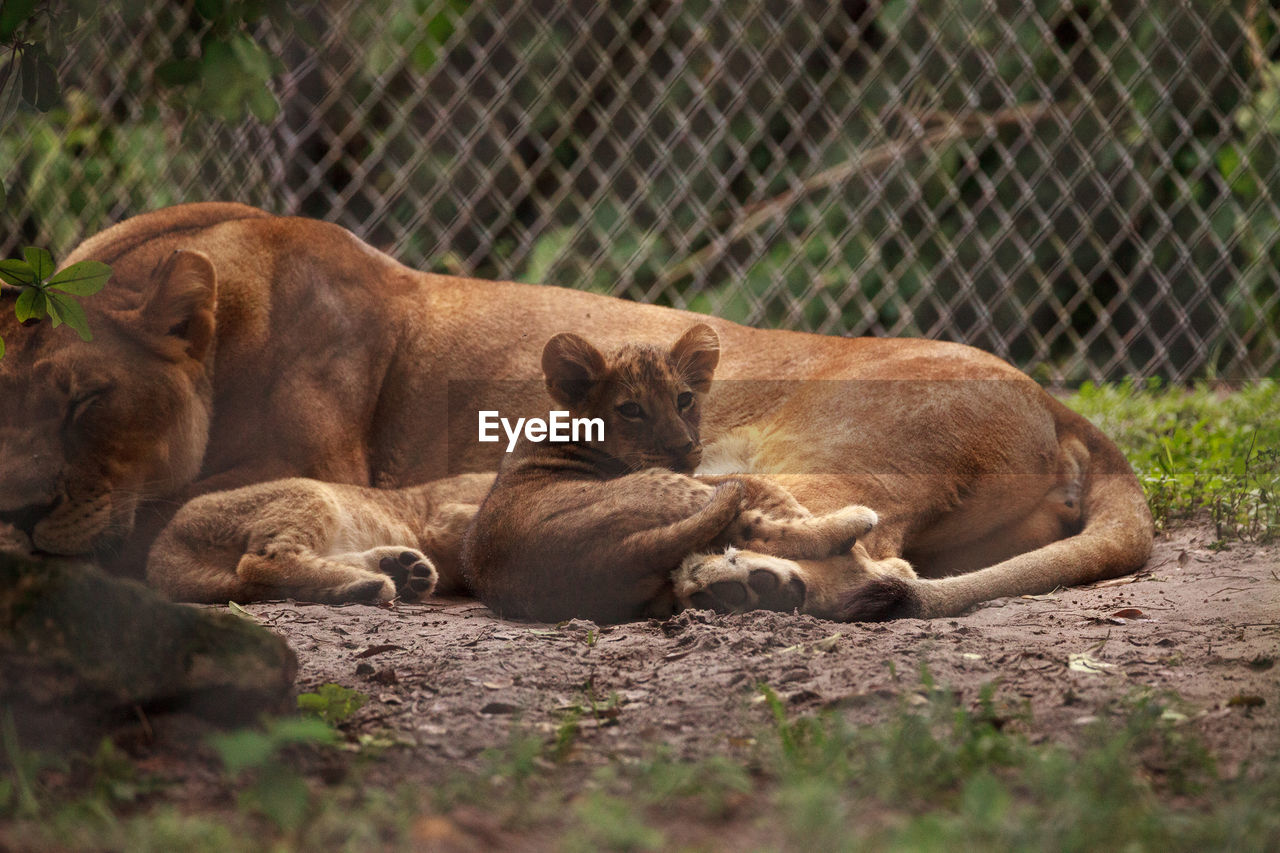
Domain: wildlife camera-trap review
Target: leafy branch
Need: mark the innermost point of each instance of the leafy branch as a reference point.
(229, 77)
(44, 293)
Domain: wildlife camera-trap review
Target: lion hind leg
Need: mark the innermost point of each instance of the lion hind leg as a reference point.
(413, 573)
(738, 580)
(304, 575)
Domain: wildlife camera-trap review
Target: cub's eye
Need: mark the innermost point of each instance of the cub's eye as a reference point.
(685, 400)
(631, 410)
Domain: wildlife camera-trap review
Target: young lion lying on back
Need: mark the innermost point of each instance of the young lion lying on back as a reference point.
(314, 541)
(558, 512)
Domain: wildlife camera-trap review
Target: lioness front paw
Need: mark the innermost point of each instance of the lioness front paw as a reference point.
(737, 581)
(846, 526)
(414, 574)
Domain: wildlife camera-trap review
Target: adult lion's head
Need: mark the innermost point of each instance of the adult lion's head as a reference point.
(89, 429)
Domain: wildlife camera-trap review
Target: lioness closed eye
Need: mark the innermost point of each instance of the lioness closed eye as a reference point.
(314, 541)
(561, 513)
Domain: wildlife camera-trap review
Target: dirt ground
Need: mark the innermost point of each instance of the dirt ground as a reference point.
(448, 678)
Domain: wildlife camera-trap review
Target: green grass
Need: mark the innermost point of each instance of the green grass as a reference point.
(935, 775)
(1195, 450)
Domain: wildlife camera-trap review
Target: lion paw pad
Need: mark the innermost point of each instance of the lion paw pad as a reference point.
(411, 571)
(737, 581)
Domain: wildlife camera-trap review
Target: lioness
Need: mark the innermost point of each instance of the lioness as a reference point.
(315, 541)
(559, 511)
(232, 347)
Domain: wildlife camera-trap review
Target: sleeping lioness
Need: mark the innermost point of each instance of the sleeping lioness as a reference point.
(232, 347)
(560, 510)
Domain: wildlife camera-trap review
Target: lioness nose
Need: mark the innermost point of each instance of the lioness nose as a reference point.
(687, 447)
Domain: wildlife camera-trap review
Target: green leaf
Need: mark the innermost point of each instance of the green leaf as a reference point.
(12, 14)
(332, 703)
(243, 749)
(179, 72)
(17, 272)
(40, 260)
(254, 61)
(69, 310)
(30, 73)
(1, 347)
(211, 10)
(84, 278)
(52, 311)
(31, 305)
(48, 92)
(11, 94)
(263, 104)
(222, 83)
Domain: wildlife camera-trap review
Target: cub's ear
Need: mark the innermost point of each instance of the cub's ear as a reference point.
(183, 302)
(696, 355)
(572, 366)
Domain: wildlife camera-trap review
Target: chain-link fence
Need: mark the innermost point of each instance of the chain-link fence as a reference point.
(1090, 188)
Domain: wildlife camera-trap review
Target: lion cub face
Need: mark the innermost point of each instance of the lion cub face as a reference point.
(649, 399)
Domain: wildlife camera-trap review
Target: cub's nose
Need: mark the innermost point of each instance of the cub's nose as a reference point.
(685, 457)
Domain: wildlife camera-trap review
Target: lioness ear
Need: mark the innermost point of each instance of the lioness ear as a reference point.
(572, 366)
(696, 355)
(183, 302)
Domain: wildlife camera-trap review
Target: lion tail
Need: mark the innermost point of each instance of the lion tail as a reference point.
(1114, 539)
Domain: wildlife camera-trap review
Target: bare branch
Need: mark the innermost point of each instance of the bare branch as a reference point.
(757, 215)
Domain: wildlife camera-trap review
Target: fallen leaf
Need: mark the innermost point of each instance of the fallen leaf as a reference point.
(1173, 716)
(1082, 662)
(1246, 700)
(385, 676)
(1115, 582)
(499, 708)
(827, 644)
(1129, 613)
(971, 656)
(239, 611)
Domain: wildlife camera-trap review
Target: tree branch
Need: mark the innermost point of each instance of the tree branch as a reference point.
(758, 214)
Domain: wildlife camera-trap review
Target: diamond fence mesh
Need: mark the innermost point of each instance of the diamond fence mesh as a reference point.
(1089, 188)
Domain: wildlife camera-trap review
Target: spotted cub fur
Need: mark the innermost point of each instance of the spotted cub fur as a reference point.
(314, 541)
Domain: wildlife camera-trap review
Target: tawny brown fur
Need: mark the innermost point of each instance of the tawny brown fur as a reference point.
(233, 347)
(568, 526)
(314, 541)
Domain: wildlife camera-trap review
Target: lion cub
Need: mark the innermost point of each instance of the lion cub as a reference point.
(623, 507)
(314, 541)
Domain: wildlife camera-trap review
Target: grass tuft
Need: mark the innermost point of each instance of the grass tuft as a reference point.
(1199, 449)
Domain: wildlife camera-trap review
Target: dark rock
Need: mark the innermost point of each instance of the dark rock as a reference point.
(81, 652)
